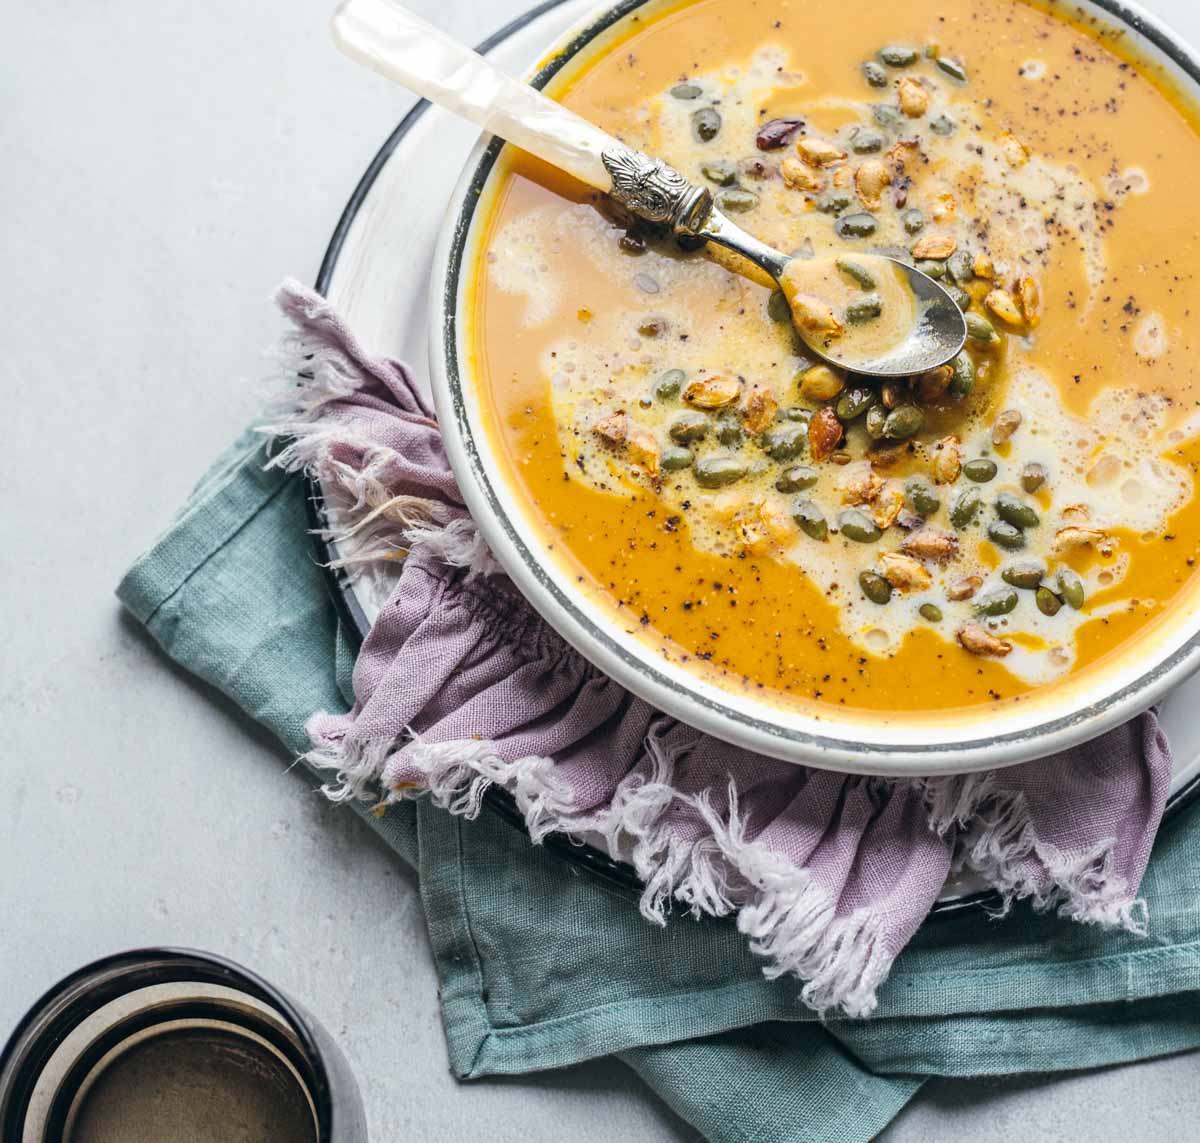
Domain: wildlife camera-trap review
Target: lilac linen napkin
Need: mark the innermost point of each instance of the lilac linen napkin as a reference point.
(460, 685)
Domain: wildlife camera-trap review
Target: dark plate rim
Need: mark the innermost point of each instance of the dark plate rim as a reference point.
(350, 611)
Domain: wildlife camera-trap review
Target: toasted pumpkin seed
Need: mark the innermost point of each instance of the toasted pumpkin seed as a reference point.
(904, 422)
(1005, 425)
(797, 478)
(1014, 510)
(1027, 575)
(669, 384)
(980, 470)
(922, 498)
(786, 441)
(796, 413)
(930, 267)
(858, 225)
(930, 611)
(1047, 602)
(857, 273)
(885, 116)
(998, 601)
(854, 402)
(1033, 476)
(686, 91)
(965, 507)
(858, 526)
(1005, 535)
(719, 171)
(706, 124)
(810, 519)
(875, 587)
(688, 428)
(1070, 587)
(718, 471)
(898, 55)
(778, 309)
(675, 458)
(943, 125)
(861, 312)
(913, 220)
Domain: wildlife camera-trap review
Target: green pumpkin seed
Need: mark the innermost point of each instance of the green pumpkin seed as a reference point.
(857, 273)
(874, 74)
(943, 125)
(930, 268)
(688, 428)
(854, 402)
(960, 266)
(898, 55)
(786, 441)
(858, 526)
(952, 68)
(980, 470)
(866, 142)
(736, 200)
(998, 601)
(922, 497)
(1070, 587)
(1033, 476)
(686, 91)
(719, 171)
(674, 458)
(778, 309)
(886, 116)
(913, 220)
(797, 413)
(959, 296)
(706, 124)
(1026, 575)
(980, 329)
(718, 471)
(834, 201)
(730, 432)
(669, 384)
(904, 422)
(876, 422)
(858, 225)
(1005, 535)
(965, 507)
(797, 478)
(930, 611)
(1047, 602)
(1016, 511)
(962, 379)
(861, 312)
(875, 587)
(810, 519)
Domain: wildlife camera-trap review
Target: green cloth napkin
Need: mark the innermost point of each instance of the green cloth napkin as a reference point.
(542, 966)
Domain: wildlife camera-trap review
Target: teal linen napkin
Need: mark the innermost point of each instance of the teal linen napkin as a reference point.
(543, 967)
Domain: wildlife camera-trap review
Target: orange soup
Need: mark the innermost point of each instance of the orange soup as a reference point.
(815, 537)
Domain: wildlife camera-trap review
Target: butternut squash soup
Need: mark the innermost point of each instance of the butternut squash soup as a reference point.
(816, 537)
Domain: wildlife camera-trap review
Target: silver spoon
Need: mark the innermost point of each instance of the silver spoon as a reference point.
(392, 41)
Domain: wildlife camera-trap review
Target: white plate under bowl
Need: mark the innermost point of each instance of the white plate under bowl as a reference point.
(380, 261)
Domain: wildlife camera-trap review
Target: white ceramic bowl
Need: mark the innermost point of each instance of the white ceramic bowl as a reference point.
(1051, 719)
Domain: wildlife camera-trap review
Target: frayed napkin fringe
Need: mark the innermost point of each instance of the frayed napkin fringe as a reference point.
(789, 919)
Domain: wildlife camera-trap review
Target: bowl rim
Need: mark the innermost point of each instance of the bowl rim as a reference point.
(683, 697)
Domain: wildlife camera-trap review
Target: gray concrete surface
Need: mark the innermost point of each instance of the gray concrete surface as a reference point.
(162, 167)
